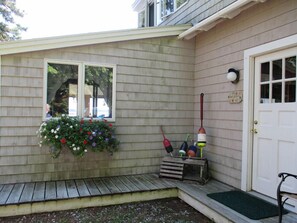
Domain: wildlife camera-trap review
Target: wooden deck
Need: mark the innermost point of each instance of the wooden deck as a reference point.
(26, 198)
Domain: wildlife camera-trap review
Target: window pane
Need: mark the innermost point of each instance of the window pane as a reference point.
(98, 92)
(167, 7)
(291, 67)
(290, 91)
(264, 93)
(277, 92)
(277, 70)
(61, 90)
(265, 72)
(179, 3)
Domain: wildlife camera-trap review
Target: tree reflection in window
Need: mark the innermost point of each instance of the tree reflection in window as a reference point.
(98, 91)
(62, 89)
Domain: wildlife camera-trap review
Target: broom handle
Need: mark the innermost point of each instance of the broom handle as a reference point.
(201, 108)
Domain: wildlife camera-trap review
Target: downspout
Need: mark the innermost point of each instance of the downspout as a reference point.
(226, 13)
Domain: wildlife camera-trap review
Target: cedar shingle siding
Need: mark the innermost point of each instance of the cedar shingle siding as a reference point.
(154, 87)
(195, 11)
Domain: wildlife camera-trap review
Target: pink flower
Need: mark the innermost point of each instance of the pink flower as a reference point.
(63, 140)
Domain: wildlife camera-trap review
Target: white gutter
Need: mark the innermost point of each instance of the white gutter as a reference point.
(22, 46)
(228, 12)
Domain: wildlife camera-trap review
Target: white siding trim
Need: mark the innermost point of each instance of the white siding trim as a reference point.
(22, 46)
(248, 102)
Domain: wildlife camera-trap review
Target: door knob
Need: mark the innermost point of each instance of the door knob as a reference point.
(255, 131)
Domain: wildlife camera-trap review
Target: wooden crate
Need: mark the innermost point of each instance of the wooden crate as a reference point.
(185, 168)
(171, 168)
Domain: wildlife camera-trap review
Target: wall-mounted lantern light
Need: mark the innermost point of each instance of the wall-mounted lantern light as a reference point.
(233, 75)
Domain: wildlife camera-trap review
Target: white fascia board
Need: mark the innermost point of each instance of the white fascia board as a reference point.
(227, 13)
(22, 46)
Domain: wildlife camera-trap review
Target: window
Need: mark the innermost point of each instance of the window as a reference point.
(78, 89)
(170, 6)
(278, 80)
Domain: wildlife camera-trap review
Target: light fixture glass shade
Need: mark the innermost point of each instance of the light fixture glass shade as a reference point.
(231, 76)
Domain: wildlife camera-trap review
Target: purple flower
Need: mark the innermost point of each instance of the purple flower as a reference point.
(106, 139)
(94, 144)
(91, 137)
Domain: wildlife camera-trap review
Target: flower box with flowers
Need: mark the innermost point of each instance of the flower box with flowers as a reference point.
(78, 135)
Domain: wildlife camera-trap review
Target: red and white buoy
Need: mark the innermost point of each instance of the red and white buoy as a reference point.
(201, 138)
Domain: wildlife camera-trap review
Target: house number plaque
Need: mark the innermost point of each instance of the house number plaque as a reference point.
(235, 97)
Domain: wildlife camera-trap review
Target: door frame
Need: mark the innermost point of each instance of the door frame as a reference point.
(248, 102)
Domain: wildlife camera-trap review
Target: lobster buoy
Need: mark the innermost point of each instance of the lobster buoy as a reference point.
(192, 151)
(201, 141)
(184, 147)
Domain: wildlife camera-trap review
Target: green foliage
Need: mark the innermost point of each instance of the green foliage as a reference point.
(77, 135)
(9, 30)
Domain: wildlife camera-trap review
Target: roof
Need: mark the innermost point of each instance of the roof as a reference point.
(21, 46)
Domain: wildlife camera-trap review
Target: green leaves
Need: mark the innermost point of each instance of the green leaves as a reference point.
(9, 30)
(79, 136)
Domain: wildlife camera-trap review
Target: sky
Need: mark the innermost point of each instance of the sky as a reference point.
(46, 18)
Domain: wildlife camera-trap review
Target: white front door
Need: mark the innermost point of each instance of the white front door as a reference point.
(275, 121)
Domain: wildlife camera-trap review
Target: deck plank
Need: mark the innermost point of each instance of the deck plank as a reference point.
(120, 184)
(27, 193)
(71, 189)
(138, 183)
(129, 183)
(92, 187)
(50, 190)
(111, 186)
(155, 181)
(101, 186)
(39, 191)
(147, 183)
(5, 192)
(15, 194)
(61, 190)
(82, 188)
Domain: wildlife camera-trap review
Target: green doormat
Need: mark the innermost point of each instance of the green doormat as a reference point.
(246, 204)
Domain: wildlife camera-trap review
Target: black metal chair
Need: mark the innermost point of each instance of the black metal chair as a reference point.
(283, 196)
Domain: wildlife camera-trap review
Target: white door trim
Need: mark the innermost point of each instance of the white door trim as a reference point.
(248, 96)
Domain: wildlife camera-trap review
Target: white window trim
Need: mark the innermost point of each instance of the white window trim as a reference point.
(81, 74)
(247, 124)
